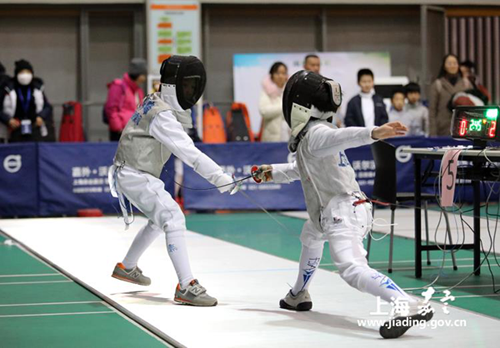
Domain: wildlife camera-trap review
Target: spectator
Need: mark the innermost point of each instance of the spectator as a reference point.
(273, 128)
(448, 83)
(396, 113)
(416, 116)
(123, 97)
(4, 118)
(366, 109)
(155, 85)
(26, 105)
(312, 63)
(468, 70)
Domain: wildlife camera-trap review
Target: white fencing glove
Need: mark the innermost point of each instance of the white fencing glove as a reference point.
(225, 182)
(262, 173)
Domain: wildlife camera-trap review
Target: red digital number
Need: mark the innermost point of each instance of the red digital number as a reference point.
(463, 127)
(492, 130)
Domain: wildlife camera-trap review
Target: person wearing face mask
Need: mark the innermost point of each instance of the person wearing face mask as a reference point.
(123, 97)
(274, 127)
(26, 105)
(448, 83)
(156, 131)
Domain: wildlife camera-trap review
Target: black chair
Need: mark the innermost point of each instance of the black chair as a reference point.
(385, 190)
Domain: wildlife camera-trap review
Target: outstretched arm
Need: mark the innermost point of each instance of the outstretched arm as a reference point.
(285, 173)
(325, 141)
(281, 173)
(166, 129)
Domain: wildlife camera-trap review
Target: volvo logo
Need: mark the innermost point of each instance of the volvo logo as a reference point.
(12, 163)
(403, 157)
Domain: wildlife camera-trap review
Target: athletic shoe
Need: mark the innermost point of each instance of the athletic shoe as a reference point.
(399, 324)
(194, 295)
(300, 302)
(133, 275)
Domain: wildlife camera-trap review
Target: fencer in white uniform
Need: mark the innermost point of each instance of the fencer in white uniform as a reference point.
(338, 211)
(155, 132)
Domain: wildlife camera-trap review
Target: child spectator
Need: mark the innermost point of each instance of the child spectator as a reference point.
(413, 115)
(416, 114)
(396, 113)
(366, 109)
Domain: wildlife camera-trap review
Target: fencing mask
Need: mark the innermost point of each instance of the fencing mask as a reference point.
(309, 95)
(188, 75)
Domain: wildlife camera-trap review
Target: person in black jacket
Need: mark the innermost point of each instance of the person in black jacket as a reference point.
(5, 120)
(366, 109)
(27, 105)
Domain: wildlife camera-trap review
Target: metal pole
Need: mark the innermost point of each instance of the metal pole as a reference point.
(418, 222)
(423, 50)
(139, 34)
(206, 35)
(84, 68)
(323, 30)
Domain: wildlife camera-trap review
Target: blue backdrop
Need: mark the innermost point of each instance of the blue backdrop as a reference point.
(237, 158)
(58, 179)
(18, 180)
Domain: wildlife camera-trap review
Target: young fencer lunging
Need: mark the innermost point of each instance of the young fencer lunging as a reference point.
(338, 211)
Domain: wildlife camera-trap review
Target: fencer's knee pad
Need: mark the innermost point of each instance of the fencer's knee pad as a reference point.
(311, 237)
(173, 220)
(174, 234)
(151, 227)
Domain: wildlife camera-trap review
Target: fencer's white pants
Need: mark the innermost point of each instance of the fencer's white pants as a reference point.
(345, 225)
(148, 194)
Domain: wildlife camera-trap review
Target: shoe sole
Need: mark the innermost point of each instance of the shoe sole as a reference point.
(128, 280)
(301, 307)
(189, 303)
(399, 330)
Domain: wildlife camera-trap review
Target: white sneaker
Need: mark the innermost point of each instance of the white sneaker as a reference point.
(300, 302)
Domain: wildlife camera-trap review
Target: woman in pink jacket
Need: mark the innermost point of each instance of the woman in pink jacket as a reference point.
(123, 97)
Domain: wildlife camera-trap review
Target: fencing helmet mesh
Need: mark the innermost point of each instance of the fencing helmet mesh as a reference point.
(188, 75)
(309, 95)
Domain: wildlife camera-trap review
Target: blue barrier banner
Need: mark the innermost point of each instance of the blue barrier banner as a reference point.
(362, 162)
(75, 176)
(237, 159)
(61, 178)
(19, 180)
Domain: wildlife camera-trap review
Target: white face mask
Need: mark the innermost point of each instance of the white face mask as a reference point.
(25, 78)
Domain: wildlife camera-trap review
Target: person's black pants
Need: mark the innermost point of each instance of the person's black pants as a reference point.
(114, 136)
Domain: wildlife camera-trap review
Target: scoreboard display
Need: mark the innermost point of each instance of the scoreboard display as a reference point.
(476, 123)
